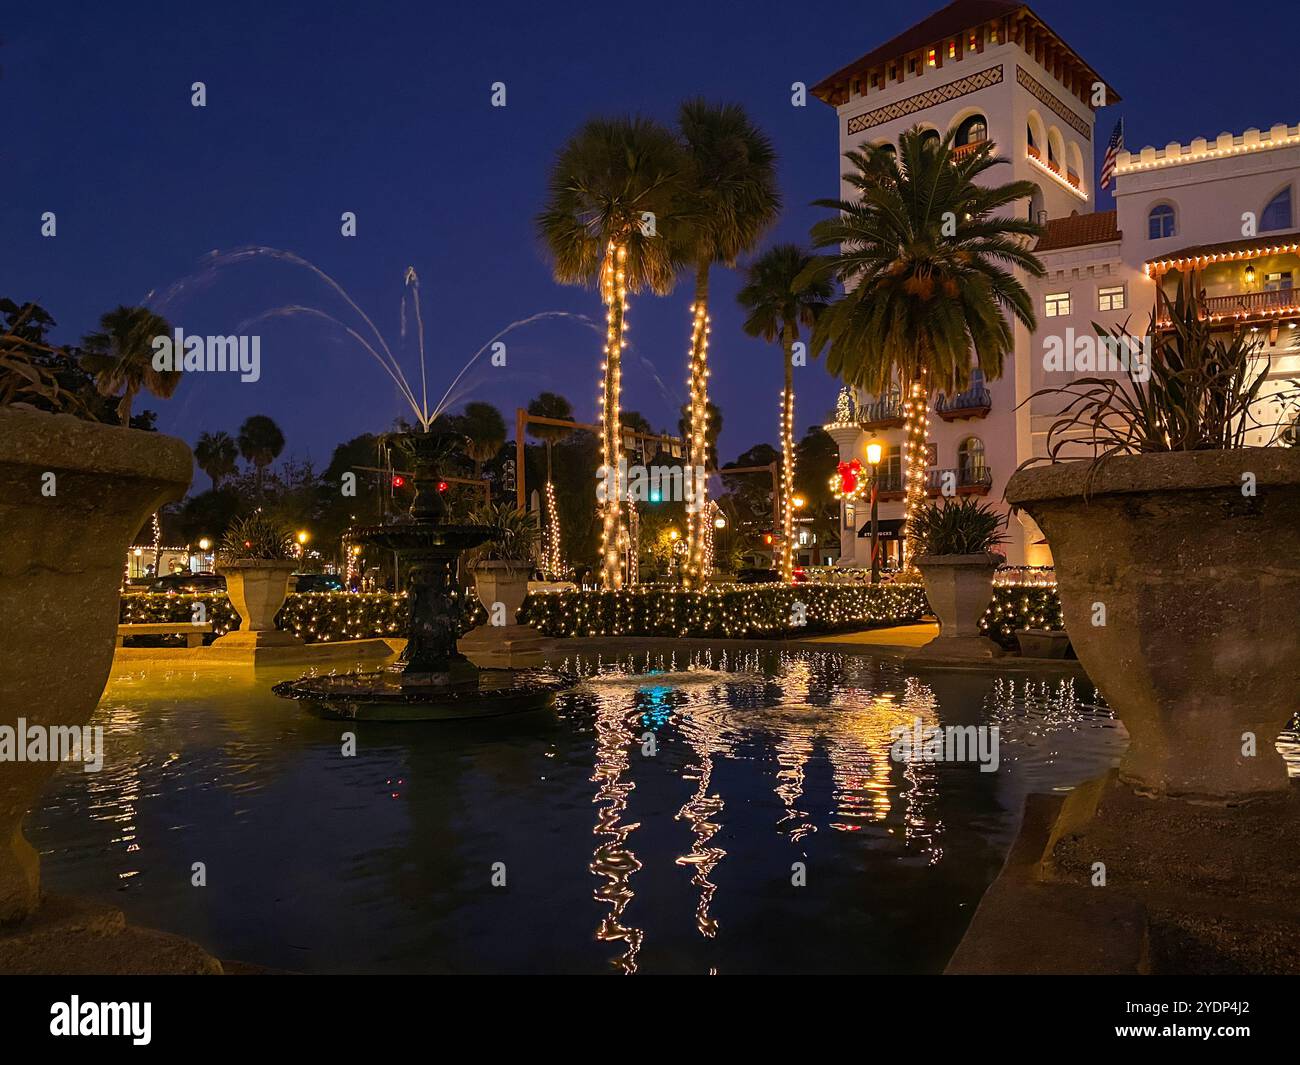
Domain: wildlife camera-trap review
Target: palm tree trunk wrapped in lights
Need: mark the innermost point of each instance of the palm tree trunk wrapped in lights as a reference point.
(916, 426)
(733, 198)
(695, 569)
(614, 195)
(787, 457)
(614, 290)
(783, 292)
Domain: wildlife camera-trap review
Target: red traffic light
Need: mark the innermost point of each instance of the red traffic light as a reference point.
(443, 486)
(398, 480)
(768, 538)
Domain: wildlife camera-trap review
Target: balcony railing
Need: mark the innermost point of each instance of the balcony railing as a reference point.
(965, 480)
(1243, 306)
(963, 150)
(883, 414)
(975, 402)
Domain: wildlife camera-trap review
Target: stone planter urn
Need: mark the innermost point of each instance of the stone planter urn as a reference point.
(502, 643)
(1179, 578)
(73, 493)
(959, 588)
(257, 589)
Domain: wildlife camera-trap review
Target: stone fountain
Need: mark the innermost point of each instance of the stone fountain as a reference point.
(431, 679)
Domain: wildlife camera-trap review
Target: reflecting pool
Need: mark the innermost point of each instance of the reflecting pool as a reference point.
(674, 813)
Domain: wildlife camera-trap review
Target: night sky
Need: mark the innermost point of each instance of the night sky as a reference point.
(383, 109)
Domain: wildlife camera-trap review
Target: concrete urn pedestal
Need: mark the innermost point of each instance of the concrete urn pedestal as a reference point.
(1179, 578)
(959, 588)
(502, 643)
(72, 495)
(257, 589)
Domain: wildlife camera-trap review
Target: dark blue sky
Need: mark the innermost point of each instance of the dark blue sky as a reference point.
(383, 109)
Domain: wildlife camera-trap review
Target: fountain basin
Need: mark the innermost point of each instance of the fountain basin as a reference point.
(382, 696)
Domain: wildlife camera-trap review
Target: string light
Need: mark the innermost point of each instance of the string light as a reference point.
(787, 485)
(698, 561)
(916, 431)
(613, 536)
(552, 559)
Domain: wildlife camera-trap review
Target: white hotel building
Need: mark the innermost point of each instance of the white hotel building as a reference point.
(994, 70)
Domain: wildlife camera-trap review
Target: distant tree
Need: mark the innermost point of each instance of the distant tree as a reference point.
(260, 442)
(816, 458)
(485, 432)
(209, 514)
(120, 357)
(636, 421)
(751, 493)
(550, 405)
(217, 455)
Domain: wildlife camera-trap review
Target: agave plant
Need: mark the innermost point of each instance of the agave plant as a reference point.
(957, 527)
(26, 379)
(1202, 394)
(517, 531)
(257, 537)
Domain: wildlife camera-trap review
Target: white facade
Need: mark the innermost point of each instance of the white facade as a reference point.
(1028, 90)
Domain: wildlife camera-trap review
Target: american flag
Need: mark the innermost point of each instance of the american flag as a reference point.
(1113, 147)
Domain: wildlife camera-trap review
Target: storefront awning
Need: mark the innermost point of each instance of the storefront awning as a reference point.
(886, 529)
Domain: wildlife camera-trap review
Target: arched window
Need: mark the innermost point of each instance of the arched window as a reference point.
(1160, 222)
(887, 149)
(1029, 132)
(970, 460)
(1277, 215)
(972, 131)
(931, 136)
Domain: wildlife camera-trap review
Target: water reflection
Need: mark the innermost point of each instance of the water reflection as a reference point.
(676, 862)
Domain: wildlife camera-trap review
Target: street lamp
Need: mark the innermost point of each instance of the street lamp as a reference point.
(873, 460)
(303, 537)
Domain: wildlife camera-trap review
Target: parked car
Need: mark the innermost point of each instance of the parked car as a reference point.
(189, 583)
(315, 582)
(756, 575)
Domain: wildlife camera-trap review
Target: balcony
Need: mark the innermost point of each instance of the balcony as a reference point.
(965, 481)
(883, 414)
(975, 402)
(1251, 306)
(963, 150)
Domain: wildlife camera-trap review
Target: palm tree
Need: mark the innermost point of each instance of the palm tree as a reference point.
(613, 193)
(733, 198)
(121, 354)
(782, 294)
(217, 455)
(712, 432)
(260, 442)
(485, 432)
(927, 258)
(550, 405)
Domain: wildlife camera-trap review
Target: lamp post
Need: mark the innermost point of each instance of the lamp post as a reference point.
(873, 460)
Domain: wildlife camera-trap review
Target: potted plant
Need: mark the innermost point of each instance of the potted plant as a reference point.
(1177, 553)
(952, 542)
(501, 569)
(502, 566)
(256, 558)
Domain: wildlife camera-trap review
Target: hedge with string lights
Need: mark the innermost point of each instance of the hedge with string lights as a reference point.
(737, 612)
(1014, 608)
(769, 610)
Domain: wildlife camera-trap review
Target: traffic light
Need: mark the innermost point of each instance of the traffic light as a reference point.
(398, 480)
(443, 486)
